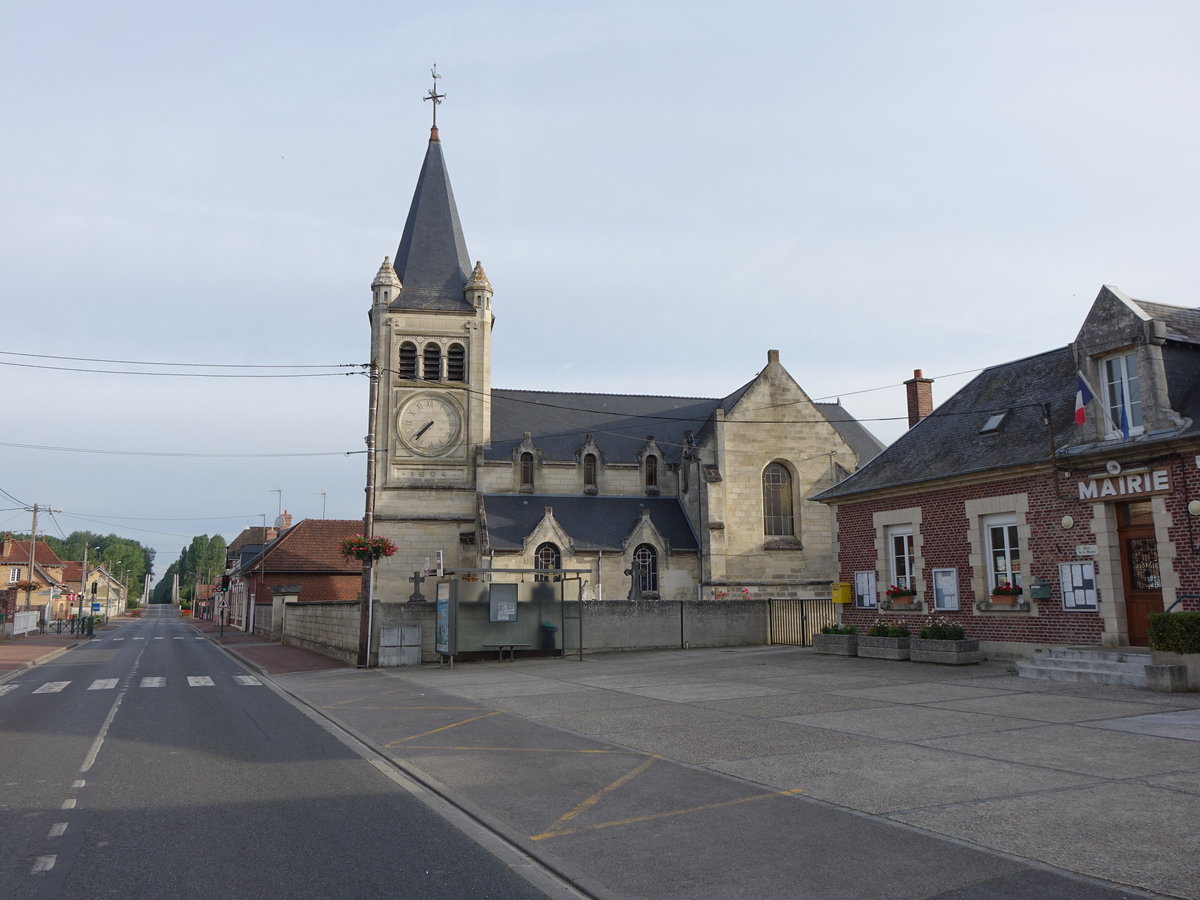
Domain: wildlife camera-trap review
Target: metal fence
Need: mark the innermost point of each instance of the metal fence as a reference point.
(796, 621)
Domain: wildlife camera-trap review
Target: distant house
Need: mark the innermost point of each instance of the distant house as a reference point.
(1094, 515)
(47, 573)
(305, 555)
(101, 587)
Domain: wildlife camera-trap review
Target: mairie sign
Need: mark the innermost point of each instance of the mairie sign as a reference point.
(1129, 485)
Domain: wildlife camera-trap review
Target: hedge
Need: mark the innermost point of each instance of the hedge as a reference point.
(1175, 632)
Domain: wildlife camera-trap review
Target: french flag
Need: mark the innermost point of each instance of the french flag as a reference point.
(1083, 396)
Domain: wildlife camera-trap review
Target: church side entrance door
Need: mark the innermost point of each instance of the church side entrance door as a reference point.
(1139, 566)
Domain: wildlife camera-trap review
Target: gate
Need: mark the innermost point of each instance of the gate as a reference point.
(796, 621)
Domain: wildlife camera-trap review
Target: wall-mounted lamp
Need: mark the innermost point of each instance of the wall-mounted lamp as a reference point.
(1067, 522)
(1194, 507)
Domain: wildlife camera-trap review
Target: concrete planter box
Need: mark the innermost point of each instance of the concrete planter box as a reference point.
(883, 647)
(836, 644)
(1190, 662)
(948, 653)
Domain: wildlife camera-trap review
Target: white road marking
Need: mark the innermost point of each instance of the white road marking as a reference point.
(58, 829)
(103, 684)
(199, 681)
(180, 638)
(246, 679)
(158, 637)
(139, 638)
(43, 864)
(77, 784)
(8, 688)
(69, 804)
(52, 687)
(118, 639)
(153, 681)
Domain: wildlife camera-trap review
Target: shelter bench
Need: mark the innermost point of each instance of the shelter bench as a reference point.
(510, 646)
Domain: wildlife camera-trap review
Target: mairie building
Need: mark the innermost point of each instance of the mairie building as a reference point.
(649, 497)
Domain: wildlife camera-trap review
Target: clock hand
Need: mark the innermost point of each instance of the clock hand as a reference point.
(424, 428)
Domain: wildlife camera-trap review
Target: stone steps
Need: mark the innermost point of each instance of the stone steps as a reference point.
(1089, 665)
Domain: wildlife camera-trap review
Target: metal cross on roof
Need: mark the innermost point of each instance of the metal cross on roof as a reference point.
(433, 94)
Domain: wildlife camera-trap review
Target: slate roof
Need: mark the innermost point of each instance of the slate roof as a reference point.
(312, 545)
(948, 442)
(594, 523)
(432, 261)
(620, 423)
(1183, 324)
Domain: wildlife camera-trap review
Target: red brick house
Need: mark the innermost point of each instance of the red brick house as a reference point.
(1094, 515)
(305, 555)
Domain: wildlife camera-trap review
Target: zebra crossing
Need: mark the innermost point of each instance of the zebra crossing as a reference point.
(146, 681)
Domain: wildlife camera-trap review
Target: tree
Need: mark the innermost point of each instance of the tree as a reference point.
(201, 562)
(124, 559)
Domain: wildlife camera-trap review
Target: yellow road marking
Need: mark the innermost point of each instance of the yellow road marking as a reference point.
(596, 797)
(514, 749)
(443, 728)
(633, 820)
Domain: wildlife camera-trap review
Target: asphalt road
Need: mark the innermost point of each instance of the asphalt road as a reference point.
(148, 763)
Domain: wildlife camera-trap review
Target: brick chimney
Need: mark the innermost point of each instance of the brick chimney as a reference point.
(8, 544)
(287, 520)
(920, 397)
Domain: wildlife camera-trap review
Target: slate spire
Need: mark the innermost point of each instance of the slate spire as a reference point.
(432, 259)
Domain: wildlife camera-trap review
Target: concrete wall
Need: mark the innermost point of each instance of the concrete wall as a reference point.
(329, 628)
(332, 628)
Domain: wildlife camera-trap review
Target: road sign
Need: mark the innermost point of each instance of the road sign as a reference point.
(95, 607)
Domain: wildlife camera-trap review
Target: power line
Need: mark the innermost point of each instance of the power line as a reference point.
(171, 454)
(141, 362)
(4, 362)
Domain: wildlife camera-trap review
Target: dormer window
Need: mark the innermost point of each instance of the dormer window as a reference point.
(651, 471)
(527, 470)
(589, 471)
(1123, 395)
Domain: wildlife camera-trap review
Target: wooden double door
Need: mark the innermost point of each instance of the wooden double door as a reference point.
(1139, 569)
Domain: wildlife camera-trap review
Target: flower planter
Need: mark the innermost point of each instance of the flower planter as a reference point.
(883, 647)
(836, 644)
(949, 653)
(1005, 599)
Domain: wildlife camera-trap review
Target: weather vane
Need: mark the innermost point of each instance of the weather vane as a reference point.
(433, 94)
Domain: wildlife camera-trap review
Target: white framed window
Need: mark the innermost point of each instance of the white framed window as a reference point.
(1078, 582)
(14, 574)
(1002, 541)
(1123, 395)
(945, 589)
(901, 556)
(866, 593)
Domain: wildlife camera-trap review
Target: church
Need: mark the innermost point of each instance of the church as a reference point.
(651, 497)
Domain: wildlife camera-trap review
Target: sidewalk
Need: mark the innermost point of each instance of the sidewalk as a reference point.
(775, 771)
(263, 656)
(33, 649)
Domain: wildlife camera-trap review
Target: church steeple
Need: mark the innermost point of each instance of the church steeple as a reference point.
(432, 259)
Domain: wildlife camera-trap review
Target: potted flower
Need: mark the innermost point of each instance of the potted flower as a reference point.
(1006, 594)
(901, 595)
(366, 549)
(942, 641)
(837, 640)
(885, 640)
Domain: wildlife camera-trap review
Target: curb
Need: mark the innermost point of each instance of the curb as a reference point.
(37, 661)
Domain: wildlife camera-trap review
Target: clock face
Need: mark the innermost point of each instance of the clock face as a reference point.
(429, 424)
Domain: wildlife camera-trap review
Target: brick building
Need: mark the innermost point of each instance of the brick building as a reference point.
(1094, 514)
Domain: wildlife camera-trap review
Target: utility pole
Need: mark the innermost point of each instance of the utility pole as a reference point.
(32, 559)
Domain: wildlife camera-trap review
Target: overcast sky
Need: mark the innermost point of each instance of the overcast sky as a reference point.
(660, 192)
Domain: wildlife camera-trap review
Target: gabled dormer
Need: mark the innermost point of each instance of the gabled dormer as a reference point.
(1135, 355)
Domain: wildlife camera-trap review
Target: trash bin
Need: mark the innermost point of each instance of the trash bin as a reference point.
(548, 636)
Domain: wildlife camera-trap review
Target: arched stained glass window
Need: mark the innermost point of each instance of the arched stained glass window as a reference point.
(778, 518)
(547, 556)
(645, 564)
